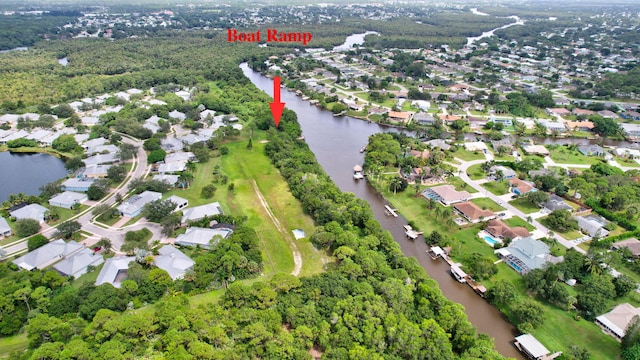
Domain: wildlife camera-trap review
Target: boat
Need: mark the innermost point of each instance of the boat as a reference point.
(435, 252)
(458, 274)
(363, 149)
(305, 98)
(357, 172)
(411, 233)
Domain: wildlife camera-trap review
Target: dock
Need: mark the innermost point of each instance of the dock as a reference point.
(436, 252)
(389, 211)
(458, 274)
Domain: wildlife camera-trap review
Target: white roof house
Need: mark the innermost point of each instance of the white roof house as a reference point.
(635, 153)
(615, 322)
(5, 229)
(205, 114)
(31, 211)
(175, 114)
(168, 178)
(76, 265)
(77, 184)
(205, 238)
(110, 148)
(179, 156)
(114, 271)
(631, 129)
(173, 261)
(47, 254)
(446, 194)
(180, 202)
(100, 159)
(134, 205)
(96, 171)
(475, 146)
(99, 141)
(68, 199)
(529, 345)
(200, 212)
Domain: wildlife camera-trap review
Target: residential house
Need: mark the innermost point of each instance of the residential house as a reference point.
(579, 125)
(77, 264)
(631, 130)
(68, 199)
(531, 347)
(424, 154)
(438, 143)
(423, 118)
(86, 145)
(101, 149)
(180, 202)
(96, 171)
(446, 194)
(31, 211)
(47, 254)
(133, 206)
(38, 135)
(175, 114)
(180, 156)
(173, 261)
(592, 225)
(608, 114)
(5, 229)
(507, 173)
(496, 144)
(200, 212)
(582, 112)
(626, 152)
(207, 115)
(168, 178)
(171, 144)
(555, 202)
(544, 172)
(504, 121)
(20, 134)
(500, 230)
(476, 146)
(449, 118)
(472, 212)
(205, 238)
(630, 115)
(172, 167)
(114, 271)
(615, 322)
(77, 184)
(400, 116)
(535, 150)
(521, 187)
(632, 244)
(101, 159)
(553, 125)
(591, 150)
(89, 120)
(558, 111)
(526, 253)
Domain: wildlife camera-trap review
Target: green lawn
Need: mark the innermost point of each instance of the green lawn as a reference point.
(461, 185)
(88, 278)
(13, 343)
(497, 187)
(569, 235)
(486, 203)
(562, 155)
(524, 206)
(475, 172)
(465, 155)
(627, 162)
(517, 221)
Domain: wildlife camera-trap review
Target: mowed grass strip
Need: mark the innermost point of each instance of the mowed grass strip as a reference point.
(13, 343)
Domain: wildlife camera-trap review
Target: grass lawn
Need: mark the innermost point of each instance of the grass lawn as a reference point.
(465, 155)
(461, 185)
(65, 214)
(244, 166)
(88, 278)
(524, 206)
(627, 162)
(13, 343)
(486, 203)
(563, 155)
(569, 235)
(475, 172)
(107, 221)
(517, 221)
(497, 187)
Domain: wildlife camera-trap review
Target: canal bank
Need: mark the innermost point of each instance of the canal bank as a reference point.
(336, 143)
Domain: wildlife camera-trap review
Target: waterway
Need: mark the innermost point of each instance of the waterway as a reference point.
(486, 34)
(336, 142)
(21, 172)
(353, 40)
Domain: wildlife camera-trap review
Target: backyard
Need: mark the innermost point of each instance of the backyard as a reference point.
(497, 187)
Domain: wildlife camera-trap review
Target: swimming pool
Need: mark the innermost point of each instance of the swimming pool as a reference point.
(491, 241)
(515, 267)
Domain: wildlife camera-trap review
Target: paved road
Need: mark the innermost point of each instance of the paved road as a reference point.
(476, 185)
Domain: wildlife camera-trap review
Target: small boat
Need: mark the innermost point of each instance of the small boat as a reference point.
(363, 149)
(305, 98)
(357, 172)
(435, 252)
(458, 274)
(411, 234)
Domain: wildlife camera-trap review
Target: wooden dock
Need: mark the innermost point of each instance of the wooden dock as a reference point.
(411, 233)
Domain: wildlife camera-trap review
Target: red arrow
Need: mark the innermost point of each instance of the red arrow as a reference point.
(276, 105)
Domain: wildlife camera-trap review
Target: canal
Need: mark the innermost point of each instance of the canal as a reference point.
(336, 142)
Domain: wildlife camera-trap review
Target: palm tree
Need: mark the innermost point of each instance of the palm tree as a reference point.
(438, 211)
(432, 204)
(190, 166)
(185, 177)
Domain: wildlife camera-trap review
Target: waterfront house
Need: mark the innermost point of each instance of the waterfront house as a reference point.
(446, 194)
(96, 171)
(400, 116)
(133, 206)
(114, 271)
(77, 184)
(203, 237)
(423, 118)
(5, 229)
(591, 150)
(632, 244)
(531, 347)
(77, 264)
(526, 253)
(535, 150)
(472, 212)
(631, 130)
(173, 261)
(68, 199)
(500, 230)
(200, 212)
(438, 143)
(47, 254)
(31, 211)
(579, 125)
(626, 152)
(615, 322)
(475, 146)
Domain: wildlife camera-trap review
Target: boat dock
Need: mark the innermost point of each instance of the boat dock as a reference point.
(411, 233)
(436, 252)
(389, 211)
